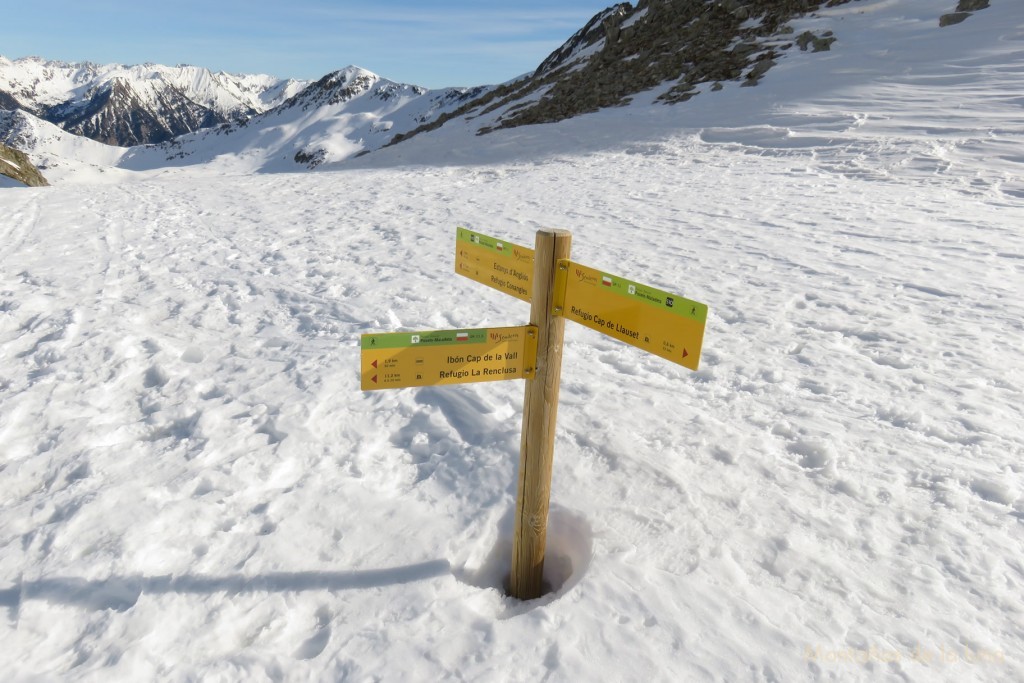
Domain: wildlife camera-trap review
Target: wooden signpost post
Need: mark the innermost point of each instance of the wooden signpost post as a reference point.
(540, 407)
(558, 289)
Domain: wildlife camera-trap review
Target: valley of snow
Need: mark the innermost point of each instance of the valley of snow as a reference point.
(193, 487)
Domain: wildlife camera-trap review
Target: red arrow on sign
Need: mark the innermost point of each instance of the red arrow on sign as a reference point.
(374, 378)
(374, 364)
(685, 353)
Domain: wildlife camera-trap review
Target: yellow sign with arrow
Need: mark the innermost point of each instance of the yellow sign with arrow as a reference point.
(648, 318)
(392, 360)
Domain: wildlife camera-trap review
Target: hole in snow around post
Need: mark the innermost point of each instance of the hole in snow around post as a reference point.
(568, 553)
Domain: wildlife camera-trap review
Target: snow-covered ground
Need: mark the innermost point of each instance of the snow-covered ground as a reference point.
(193, 487)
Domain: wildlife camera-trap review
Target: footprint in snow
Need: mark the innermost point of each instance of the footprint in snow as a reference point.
(315, 644)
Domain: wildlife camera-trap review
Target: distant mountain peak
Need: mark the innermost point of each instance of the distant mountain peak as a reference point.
(337, 86)
(349, 83)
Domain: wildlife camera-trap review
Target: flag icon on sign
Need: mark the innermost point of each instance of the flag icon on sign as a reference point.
(462, 336)
(606, 281)
(500, 246)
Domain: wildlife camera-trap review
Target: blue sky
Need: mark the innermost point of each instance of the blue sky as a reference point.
(434, 44)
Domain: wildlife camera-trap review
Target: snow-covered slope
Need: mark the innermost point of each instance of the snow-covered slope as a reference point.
(61, 156)
(192, 486)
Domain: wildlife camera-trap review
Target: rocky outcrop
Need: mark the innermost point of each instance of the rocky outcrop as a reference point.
(116, 114)
(16, 165)
(8, 102)
(964, 9)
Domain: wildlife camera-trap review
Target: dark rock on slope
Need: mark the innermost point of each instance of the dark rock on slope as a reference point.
(964, 9)
(16, 165)
(116, 115)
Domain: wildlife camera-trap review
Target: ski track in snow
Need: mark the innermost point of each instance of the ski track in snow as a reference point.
(195, 488)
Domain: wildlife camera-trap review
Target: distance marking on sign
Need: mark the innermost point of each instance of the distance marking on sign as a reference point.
(651, 319)
(393, 360)
(502, 265)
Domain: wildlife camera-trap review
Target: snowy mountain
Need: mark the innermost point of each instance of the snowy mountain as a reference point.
(675, 49)
(344, 114)
(60, 155)
(194, 488)
(133, 105)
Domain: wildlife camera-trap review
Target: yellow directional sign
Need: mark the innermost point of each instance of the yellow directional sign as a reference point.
(651, 319)
(394, 360)
(504, 266)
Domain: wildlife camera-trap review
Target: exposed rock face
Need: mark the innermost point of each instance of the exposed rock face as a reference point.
(116, 115)
(8, 102)
(14, 164)
(817, 44)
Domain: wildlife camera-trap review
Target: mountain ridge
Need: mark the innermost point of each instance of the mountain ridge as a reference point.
(668, 50)
(627, 49)
(345, 113)
(101, 101)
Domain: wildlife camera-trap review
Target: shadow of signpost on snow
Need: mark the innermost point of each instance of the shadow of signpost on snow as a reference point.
(121, 593)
